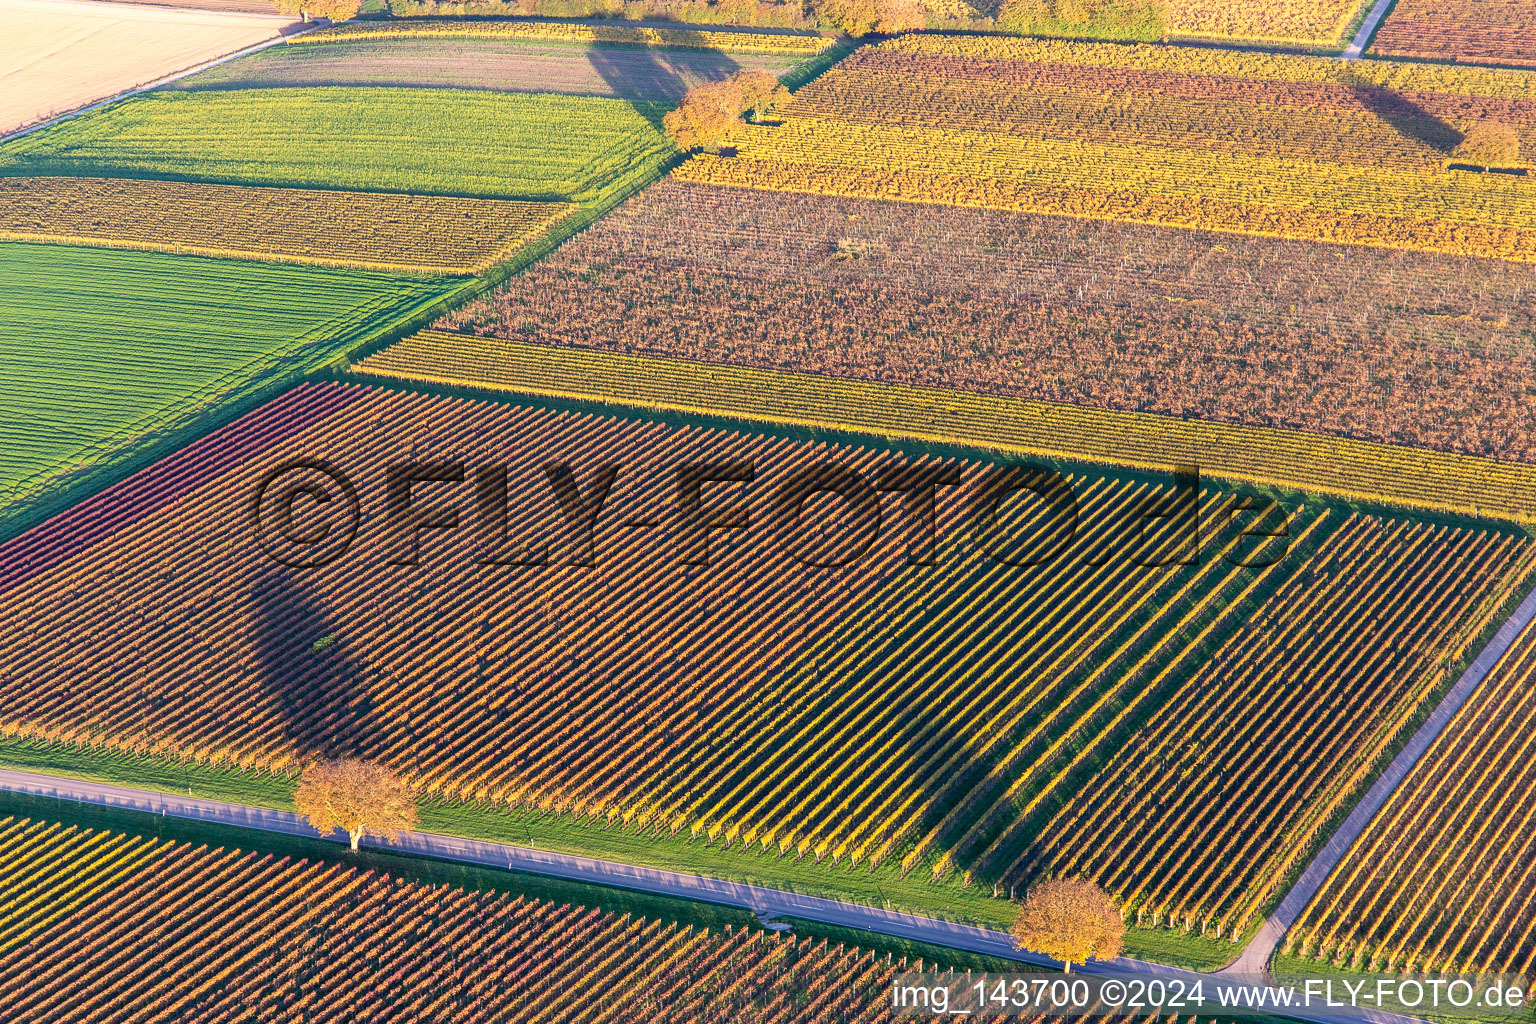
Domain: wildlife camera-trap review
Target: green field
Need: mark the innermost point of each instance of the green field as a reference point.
(100, 347)
(437, 141)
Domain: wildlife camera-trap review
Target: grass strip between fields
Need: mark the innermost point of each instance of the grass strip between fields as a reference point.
(584, 837)
(1266, 456)
(431, 871)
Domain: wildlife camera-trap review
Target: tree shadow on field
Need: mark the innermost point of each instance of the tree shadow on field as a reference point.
(646, 76)
(1402, 114)
(302, 665)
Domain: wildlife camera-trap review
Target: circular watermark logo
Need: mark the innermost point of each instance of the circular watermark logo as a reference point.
(305, 513)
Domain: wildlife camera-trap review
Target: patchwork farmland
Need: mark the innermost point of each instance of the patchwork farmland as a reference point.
(440, 184)
(893, 483)
(279, 938)
(635, 706)
(1291, 147)
(475, 62)
(372, 230)
(435, 141)
(1387, 346)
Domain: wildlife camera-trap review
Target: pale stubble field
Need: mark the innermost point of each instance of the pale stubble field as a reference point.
(63, 54)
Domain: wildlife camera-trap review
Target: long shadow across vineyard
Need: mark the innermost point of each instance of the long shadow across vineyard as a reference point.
(319, 692)
(882, 733)
(1400, 112)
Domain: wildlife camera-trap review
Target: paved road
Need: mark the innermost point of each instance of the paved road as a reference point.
(765, 902)
(1256, 954)
(1367, 29)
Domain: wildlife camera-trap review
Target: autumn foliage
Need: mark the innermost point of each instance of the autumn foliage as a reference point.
(711, 110)
(375, 230)
(1350, 342)
(332, 10)
(1478, 31)
(357, 798)
(1489, 144)
(1071, 919)
(1289, 146)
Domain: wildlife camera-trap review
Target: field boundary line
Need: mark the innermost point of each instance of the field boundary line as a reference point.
(38, 126)
(1255, 956)
(763, 901)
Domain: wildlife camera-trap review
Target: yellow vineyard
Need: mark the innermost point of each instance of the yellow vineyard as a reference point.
(565, 32)
(1280, 146)
(1189, 60)
(1305, 22)
(376, 231)
(1289, 459)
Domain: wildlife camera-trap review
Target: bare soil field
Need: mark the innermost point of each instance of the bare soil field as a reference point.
(648, 73)
(63, 54)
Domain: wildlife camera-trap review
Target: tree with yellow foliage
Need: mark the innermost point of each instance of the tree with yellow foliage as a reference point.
(1488, 144)
(711, 110)
(1071, 919)
(356, 797)
(333, 10)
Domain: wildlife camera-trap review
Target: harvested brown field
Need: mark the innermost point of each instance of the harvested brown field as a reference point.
(505, 65)
(64, 54)
(1391, 346)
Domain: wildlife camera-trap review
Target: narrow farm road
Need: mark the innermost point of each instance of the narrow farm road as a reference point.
(766, 903)
(1367, 29)
(1256, 954)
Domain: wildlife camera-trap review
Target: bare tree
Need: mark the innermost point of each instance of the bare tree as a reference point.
(1071, 919)
(356, 797)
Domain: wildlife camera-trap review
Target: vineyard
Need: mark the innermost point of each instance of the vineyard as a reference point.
(138, 342)
(1476, 31)
(1316, 152)
(1304, 22)
(801, 44)
(439, 141)
(174, 931)
(1285, 459)
(49, 871)
(377, 231)
(1389, 346)
(829, 721)
(1441, 879)
(627, 72)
